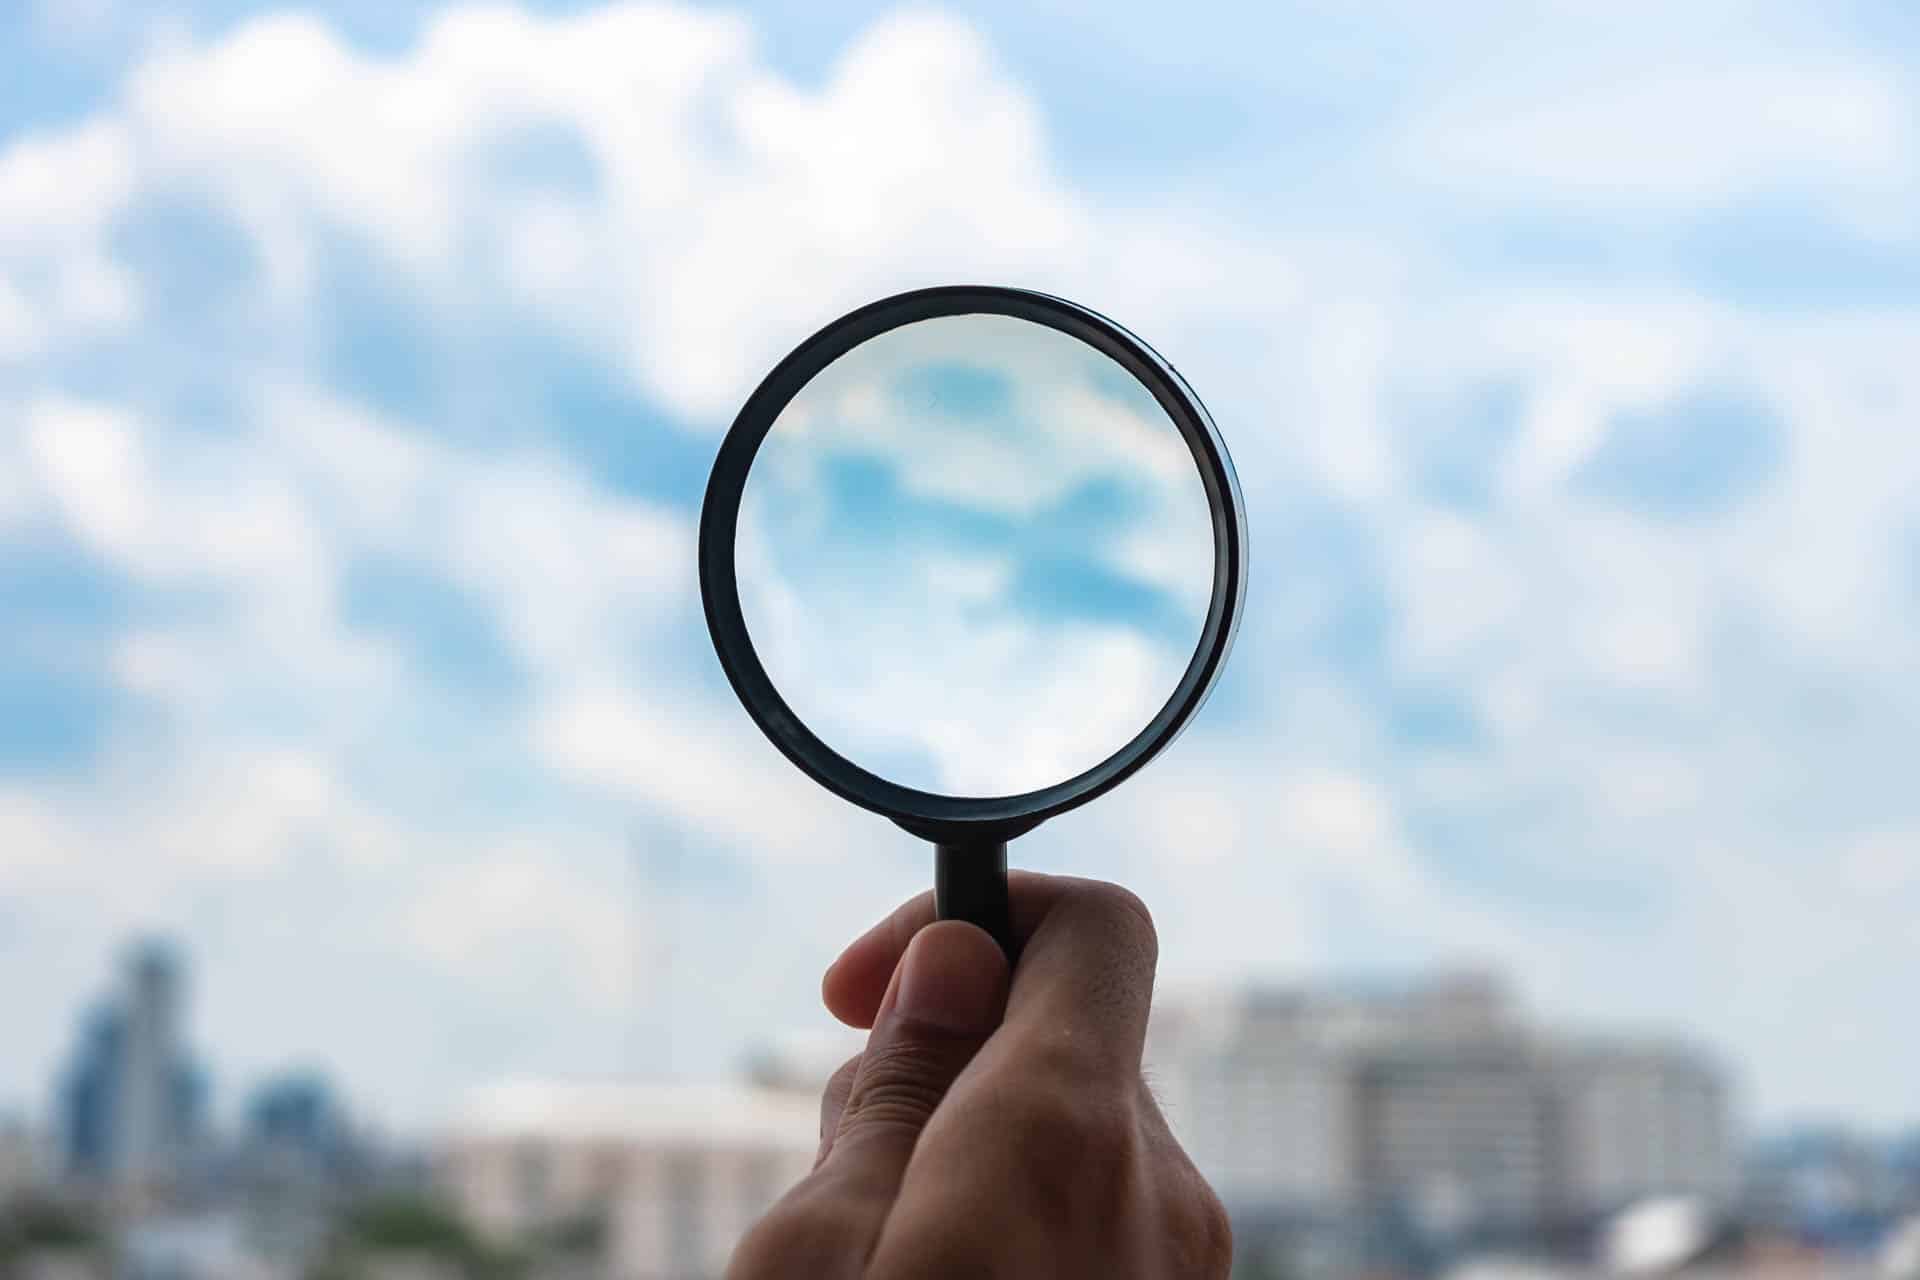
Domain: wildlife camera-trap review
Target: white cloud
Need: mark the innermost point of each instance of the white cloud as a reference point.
(190, 513)
(57, 195)
(28, 839)
(667, 262)
(63, 188)
(502, 919)
(90, 460)
(1673, 135)
(687, 761)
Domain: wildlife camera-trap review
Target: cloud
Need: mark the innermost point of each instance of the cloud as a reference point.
(500, 920)
(1671, 133)
(687, 145)
(691, 762)
(57, 279)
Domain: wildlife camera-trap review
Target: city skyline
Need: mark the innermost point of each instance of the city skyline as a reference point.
(133, 1089)
(1400, 1128)
(360, 368)
(1322, 1014)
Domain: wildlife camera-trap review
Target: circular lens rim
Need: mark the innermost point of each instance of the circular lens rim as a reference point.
(931, 814)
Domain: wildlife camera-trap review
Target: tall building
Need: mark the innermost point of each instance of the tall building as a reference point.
(131, 1100)
(295, 1119)
(89, 1096)
(148, 1137)
(1436, 1106)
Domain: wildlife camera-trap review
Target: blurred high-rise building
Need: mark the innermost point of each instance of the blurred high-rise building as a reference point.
(148, 1131)
(131, 1099)
(1436, 1106)
(295, 1120)
(297, 1164)
(89, 1096)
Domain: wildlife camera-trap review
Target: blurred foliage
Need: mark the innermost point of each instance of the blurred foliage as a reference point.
(411, 1225)
(32, 1225)
(582, 1235)
(1262, 1264)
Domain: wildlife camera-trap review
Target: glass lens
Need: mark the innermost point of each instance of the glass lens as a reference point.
(975, 555)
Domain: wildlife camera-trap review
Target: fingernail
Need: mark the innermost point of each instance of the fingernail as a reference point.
(953, 977)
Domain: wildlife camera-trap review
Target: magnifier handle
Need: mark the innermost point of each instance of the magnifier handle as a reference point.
(970, 883)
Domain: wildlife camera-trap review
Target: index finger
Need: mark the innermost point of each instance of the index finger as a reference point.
(1083, 984)
(1083, 988)
(856, 981)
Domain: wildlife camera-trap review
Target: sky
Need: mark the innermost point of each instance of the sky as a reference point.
(360, 368)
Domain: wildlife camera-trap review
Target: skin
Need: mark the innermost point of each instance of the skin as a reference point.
(996, 1125)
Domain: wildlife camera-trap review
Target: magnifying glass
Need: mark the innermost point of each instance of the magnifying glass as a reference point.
(970, 557)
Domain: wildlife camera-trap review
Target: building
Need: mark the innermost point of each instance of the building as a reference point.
(667, 1177)
(1266, 1087)
(130, 1102)
(1830, 1188)
(89, 1096)
(1639, 1120)
(150, 1136)
(20, 1160)
(1455, 1138)
(1435, 1108)
(294, 1120)
(294, 1167)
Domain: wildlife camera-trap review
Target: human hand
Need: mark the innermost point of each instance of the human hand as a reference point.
(996, 1129)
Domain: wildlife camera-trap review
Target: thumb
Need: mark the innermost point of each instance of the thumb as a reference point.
(946, 997)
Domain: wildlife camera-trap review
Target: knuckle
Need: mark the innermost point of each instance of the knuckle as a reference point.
(1127, 912)
(1082, 1070)
(1120, 898)
(841, 1081)
(1201, 1233)
(1078, 1151)
(955, 1250)
(899, 1083)
(833, 1099)
(1195, 1224)
(800, 1232)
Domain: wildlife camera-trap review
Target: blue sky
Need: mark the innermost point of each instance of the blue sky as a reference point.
(359, 369)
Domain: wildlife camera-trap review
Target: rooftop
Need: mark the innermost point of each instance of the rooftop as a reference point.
(703, 1115)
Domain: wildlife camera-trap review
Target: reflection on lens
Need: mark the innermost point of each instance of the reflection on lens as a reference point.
(975, 555)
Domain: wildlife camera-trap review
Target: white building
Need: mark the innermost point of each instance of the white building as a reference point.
(1642, 1119)
(1265, 1110)
(676, 1174)
(1265, 1089)
(1456, 1136)
(1437, 1102)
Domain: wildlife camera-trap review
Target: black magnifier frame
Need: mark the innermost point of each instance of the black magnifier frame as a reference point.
(969, 834)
